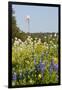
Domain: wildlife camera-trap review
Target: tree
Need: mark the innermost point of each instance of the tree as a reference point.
(16, 32)
(15, 29)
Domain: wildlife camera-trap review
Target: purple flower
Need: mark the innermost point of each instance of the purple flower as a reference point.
(14, 76)
(51, 68)
(56, 67)
(42, 67)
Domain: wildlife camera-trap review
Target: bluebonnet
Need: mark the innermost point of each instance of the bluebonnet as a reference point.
(56, 67)
(38, 65)
(51, 68)
(14, 76)
(42, 66)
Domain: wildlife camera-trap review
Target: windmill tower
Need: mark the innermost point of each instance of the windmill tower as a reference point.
(27, 23)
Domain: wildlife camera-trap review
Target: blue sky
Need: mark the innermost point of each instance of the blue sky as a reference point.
(42, 18)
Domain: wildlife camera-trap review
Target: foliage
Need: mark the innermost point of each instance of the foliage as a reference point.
(34, 61)
(16, 32)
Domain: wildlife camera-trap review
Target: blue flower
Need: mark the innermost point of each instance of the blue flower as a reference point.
(51, 68)
(14, 76)
(56, 67)
(42, 67)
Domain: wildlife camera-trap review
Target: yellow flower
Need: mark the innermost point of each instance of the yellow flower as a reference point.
(39, 76)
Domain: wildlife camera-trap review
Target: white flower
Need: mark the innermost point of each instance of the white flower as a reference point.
(39, 41)
(20, 74)
(29, 36)
(47, 47)
(19, 40)
(55, 46)
(50, 41)
(28, 39)
(31, 39)
(16, 43)
(15, 38)
(25, 42)
(35, 41)
(45, 37)
(55, 34)
(31, 43)
(14, 73)
(22, 42)
(45, 43)
(30, 81)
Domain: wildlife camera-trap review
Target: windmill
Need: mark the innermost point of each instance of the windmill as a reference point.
(27, 23)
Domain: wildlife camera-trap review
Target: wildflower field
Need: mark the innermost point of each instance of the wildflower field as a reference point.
(35, 62)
